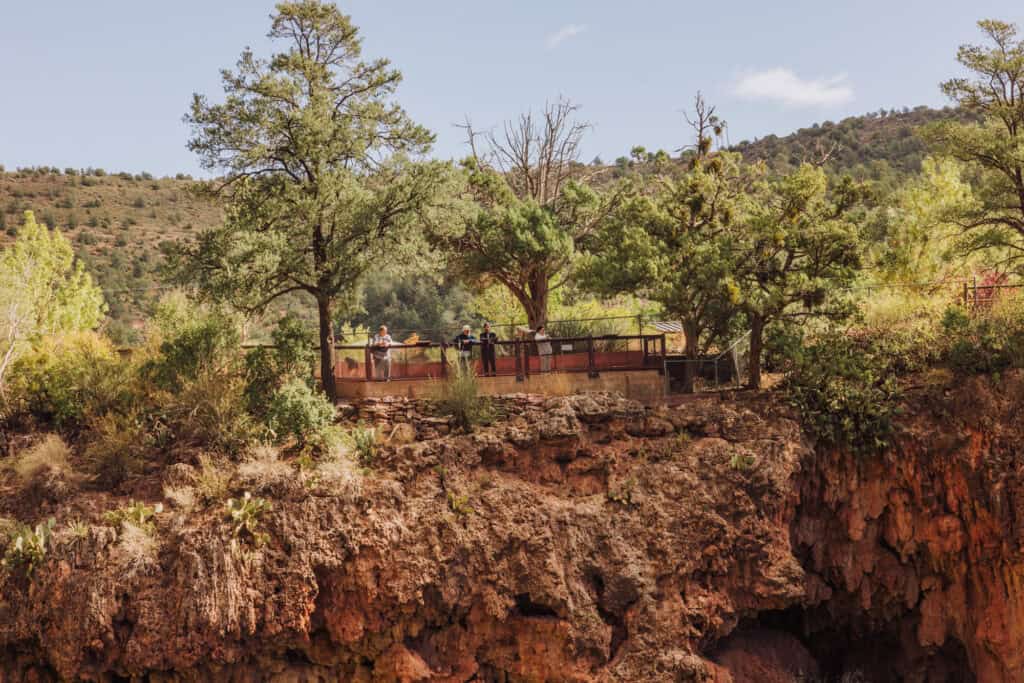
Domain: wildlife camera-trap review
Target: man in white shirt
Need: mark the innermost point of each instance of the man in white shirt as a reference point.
(380, 349)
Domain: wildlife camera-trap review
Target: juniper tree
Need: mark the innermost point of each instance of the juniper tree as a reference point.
(320, 169)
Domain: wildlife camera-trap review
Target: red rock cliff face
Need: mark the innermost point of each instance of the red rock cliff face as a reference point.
(920, 549)
(581, 539)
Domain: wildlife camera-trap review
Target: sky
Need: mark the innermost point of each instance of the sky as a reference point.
(105, 83)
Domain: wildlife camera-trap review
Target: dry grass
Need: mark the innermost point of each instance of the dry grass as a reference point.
(263, 469)
(342, 477)
(49, 454)
(213, 481)
(137, 550)
(182, 497)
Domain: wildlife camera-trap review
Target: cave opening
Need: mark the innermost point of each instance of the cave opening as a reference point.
(809, 644)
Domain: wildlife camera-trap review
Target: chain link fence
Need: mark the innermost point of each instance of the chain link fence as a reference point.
(727, 369)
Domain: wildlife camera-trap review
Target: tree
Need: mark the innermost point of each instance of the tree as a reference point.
(319, 172)
(44, 290)
(992, 146)
(797, 251)
(670, 241)
(533, 206)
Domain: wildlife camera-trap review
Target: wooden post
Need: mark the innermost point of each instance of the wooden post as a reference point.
(965, 294)
(444, 360)
(367, 360)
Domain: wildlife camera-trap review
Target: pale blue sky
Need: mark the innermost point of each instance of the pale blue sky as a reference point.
(106, 82)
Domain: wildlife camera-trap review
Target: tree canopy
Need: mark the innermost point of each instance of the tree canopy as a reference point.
(992, 147)
(320, 170)
(44, 291)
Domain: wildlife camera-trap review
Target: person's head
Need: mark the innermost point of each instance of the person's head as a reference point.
(465, 329)
(383, 330)
(540, 329)
(487, 327)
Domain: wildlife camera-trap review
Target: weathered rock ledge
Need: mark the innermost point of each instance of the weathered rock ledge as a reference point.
(577, 539)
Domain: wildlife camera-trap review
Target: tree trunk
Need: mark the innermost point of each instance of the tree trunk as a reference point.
(756, 347)
(323, 304)
(692, 352)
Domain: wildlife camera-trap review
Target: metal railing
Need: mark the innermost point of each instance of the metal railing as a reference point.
(518, 358)
(724, 370)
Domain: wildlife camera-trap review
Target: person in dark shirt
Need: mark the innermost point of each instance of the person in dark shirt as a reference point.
(464, 346)
(488, 349)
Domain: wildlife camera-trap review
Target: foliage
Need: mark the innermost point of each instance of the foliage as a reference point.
(994, 220)
(213, 479)
(461, 399)
(846, 393)
(118, 446)
(43, 291)
(532, 208)
(296, 411)
(670, 241)
(459, 504)
(290, 357)
(363, 440)
(64, 380)
(51, 453)
(796, 252)
(196, 342)
(317, 172)
(245, 514)
(985, 341)
(27, 549)
(136, 513)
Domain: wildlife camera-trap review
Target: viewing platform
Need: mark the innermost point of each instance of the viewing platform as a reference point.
(631, 365)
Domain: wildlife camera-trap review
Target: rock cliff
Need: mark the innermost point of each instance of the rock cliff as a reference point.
(576, 539)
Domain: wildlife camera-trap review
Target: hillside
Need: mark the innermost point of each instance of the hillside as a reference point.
(874, 145)
(116, 223)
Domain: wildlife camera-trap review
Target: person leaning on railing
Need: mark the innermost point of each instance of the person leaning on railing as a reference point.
(488, 347)
(380, 349)
(464, 345)
(543, 348)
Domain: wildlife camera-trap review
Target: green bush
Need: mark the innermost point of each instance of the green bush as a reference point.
(985, 341)
(193, 341)
(847, 393)
(298, 411)
(460, 398)
(363, 441)
(64, 380)
(118, 446)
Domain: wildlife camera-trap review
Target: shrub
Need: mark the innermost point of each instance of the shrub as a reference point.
(460, 398)
(118, 446)
(194, 341)
(65, 380)
(213, 481)
(27, 549)
(49, 455)
(985, 341)
(363, 441)
(209, 411)
(298, 411)
(847, 394)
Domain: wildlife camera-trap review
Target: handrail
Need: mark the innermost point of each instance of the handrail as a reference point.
(509, 342)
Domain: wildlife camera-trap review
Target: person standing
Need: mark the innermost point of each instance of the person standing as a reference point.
(380, 349)
(464, 346)
(543, 348)
(488, 350)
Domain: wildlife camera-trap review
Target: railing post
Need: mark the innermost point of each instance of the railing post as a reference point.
(519, 361)
(965, 294)
(444, 360)
(366, 362)
(591, 359)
